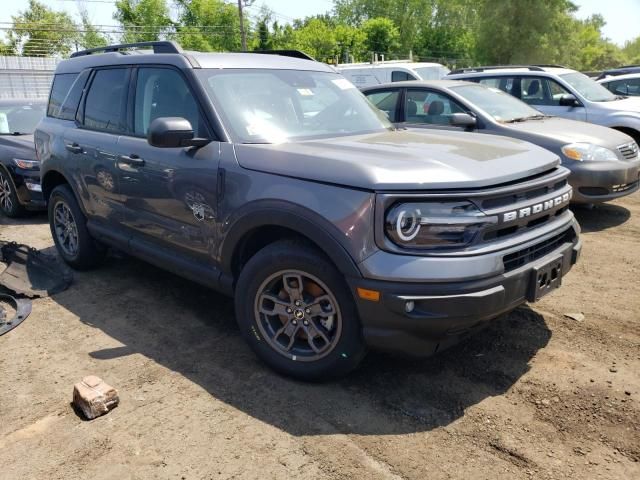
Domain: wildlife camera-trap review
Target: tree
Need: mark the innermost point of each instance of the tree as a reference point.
(209, 25)
(90, 37)
(632, 50)
(594, 52)
(317, 39)
(382, 36)
(512, 32)
(143, 20)
(41, 32)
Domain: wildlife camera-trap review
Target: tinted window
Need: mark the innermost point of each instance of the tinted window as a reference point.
(401, 76)
(59, 90)
(386, 101)
(70, 104)
(624, 87)
(424, 106)
(106, 100)
(162, 92)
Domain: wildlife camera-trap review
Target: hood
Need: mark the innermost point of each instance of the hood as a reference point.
(402, 160)
(21, 146)
(566, 131)
(630, 104)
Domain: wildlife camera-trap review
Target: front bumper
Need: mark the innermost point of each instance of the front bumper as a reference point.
(446, 312)
(595, 182)
(28, 188)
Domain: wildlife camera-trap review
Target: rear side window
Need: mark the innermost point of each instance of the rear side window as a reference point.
(398, 76)
(106, 101)
(59, 91)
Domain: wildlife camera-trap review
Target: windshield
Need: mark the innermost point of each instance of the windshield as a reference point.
(275, 106)
(588, 88)
(20, 117)
(501, 106)
(432, 73)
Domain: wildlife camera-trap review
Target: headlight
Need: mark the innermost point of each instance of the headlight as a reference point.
(585, 152)
(435, 224)
(26, 164)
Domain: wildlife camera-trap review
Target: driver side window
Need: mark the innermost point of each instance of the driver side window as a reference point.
(425, 106)
(162, 92)
(557, 91)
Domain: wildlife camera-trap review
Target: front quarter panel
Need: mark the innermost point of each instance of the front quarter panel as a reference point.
(342, 215)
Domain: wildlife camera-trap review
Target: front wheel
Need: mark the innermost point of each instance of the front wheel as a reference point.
(8, 198)
(296, 311)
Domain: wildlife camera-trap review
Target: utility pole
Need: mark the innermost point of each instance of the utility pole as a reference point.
(243, 34)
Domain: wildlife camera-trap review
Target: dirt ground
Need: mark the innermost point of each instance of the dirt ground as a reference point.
(536, 395)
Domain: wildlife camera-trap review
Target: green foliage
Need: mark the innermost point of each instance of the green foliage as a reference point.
(143, 20)
(90, 37)
(632, 51)
(40, 32)
(209, 25)
(317, 39)
(382, 36)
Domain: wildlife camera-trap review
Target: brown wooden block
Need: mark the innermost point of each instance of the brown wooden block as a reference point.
(93, 397)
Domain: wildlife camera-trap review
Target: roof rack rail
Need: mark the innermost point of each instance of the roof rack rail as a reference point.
(164, 46)
(286, 53)
(533, 68)
(549, 65)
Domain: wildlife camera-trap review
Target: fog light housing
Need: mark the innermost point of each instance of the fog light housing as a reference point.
(409, 306)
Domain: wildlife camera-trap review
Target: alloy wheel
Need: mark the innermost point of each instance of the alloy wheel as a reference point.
(66, 230)
(6, 203)
(298, 315)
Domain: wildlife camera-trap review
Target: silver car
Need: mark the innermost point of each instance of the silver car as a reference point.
(604, 163)
(562, 92)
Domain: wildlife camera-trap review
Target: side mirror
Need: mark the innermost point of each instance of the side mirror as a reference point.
(462, 120)
(569, 100)
(173, 132)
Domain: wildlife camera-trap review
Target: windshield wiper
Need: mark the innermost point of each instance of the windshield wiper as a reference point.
(530, 117)
(15, 134)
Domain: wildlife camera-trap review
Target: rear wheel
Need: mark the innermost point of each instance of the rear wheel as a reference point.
(8, 198)
(69, 229)
(296, 312)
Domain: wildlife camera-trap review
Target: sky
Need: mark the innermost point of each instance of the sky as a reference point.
(622, 16)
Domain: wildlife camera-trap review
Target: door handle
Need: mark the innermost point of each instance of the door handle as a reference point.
(73, 147)
(132, 159)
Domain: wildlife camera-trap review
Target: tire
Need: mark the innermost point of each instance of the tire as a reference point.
(324, 346)
(9, 203)
(77, 248)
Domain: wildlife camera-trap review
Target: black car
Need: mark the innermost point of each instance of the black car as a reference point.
(614, 72)
(19, 167)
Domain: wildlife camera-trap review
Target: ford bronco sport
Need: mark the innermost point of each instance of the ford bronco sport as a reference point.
(273, 179)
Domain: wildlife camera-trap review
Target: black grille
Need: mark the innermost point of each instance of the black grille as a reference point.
(629, 151)
(539, 250)
(510, 199)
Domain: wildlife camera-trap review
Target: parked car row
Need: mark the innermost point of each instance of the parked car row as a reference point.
(274, 180)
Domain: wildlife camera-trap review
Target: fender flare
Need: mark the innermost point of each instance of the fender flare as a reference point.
(304, 222)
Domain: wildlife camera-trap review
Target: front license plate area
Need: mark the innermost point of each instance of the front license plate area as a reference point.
(544, 279)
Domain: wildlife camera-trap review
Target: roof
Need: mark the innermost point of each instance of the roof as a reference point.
(498, 71)
(421, 83)
(191, 60)
(366, 66)
(612, 78)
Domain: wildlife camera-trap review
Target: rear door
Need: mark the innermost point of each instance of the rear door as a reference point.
(91, 146)
(170, 193)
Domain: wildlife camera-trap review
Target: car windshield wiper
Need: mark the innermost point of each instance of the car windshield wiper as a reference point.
(524, 119)
(16, 134)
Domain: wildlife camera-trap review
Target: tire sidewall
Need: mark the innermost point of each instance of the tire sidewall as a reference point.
(15, 210)
(349, 350)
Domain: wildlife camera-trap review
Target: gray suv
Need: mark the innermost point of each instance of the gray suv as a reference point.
(273, 179)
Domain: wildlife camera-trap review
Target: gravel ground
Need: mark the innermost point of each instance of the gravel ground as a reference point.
(536, 395)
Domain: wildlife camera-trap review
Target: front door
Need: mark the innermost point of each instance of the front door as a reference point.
(170, 193)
